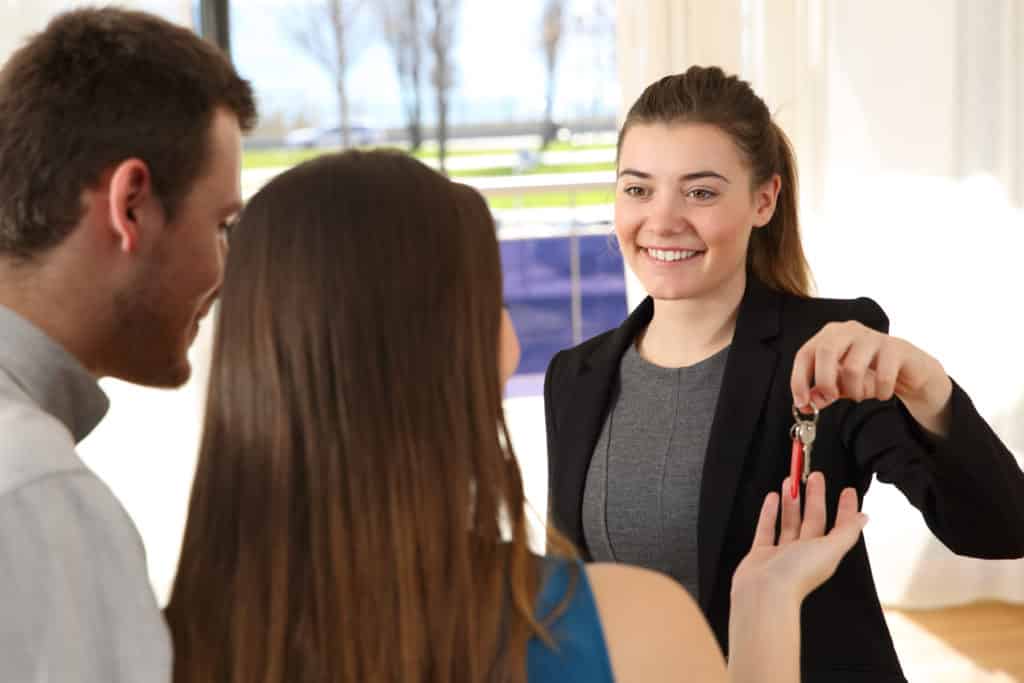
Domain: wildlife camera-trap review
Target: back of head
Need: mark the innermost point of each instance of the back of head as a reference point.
(354, 475)
(96, 87)
(707, 95)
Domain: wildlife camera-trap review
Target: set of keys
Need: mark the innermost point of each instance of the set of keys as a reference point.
(802, 433)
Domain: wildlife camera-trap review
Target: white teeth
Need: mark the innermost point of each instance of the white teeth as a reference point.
(674, 255)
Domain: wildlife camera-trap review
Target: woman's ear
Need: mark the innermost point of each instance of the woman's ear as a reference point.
(766, 197)
(508, 348)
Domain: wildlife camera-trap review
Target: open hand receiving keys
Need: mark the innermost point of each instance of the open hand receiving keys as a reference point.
(804, 556)
(771, 582)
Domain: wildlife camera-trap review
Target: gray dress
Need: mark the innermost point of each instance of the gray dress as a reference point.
(640, 502)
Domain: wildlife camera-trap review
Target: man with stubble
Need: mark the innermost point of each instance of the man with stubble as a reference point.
(120, 157)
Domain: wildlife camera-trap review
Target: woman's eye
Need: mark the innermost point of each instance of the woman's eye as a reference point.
(701, 194)
(635, 191)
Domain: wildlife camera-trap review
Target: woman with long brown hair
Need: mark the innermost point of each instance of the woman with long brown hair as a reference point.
(358, 513)
(665, 434)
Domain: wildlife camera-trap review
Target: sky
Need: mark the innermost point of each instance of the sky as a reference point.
(500, 73)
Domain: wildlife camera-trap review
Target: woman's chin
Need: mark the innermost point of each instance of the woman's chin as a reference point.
(674, 291)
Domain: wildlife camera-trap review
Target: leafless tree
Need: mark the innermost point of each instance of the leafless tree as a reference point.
(402, 26)
(441, 39)
(552, 30)
(594, 26)
(326, 33)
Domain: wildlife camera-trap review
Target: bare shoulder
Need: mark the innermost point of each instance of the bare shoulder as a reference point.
(653, 628)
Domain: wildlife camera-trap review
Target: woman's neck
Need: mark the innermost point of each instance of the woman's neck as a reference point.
(686, 331)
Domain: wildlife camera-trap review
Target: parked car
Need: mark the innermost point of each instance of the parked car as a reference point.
(330, 136)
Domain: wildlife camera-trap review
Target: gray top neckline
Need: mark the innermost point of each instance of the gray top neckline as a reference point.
(640, 367)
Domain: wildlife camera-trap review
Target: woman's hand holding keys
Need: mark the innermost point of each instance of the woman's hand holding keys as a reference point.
(852, 361)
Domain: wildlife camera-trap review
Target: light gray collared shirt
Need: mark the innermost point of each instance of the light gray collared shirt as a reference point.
(75, 598)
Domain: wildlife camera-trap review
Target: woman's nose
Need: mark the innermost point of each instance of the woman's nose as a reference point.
(669, 215)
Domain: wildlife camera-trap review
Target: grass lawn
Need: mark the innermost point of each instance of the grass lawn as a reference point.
(551, 200)
(536, 170)
(271, 158)
(429, 151)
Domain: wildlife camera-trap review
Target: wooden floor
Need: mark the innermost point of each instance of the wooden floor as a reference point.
(981, 643)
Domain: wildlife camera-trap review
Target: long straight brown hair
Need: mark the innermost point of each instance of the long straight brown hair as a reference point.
(708, 95)
(355, 478)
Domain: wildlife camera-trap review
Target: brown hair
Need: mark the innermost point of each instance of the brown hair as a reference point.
(707, 95)
(355, 477)
(94, 88)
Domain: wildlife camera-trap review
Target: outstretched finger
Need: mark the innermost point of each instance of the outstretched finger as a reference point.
(849, 522)
(764, 535)
(814, 508)
(790, 529)
(847, 506)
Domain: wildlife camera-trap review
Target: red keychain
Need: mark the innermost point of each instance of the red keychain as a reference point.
(802, 432)
(796, 466)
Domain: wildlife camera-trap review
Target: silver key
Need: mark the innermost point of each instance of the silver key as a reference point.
(805, 429)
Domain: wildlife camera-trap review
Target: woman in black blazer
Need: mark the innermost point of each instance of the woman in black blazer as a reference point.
(706, 217)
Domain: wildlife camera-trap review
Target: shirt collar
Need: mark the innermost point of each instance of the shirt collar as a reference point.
(49, 376)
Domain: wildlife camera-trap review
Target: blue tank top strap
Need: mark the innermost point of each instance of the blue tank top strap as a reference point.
(581, 653)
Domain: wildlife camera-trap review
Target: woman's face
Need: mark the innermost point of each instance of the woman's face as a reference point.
(508, 348)
(685, 208)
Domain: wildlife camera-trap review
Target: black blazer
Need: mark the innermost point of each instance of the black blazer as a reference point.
(968, 487)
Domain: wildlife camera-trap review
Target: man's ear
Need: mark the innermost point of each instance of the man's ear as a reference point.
(131, 193)
(766, 197)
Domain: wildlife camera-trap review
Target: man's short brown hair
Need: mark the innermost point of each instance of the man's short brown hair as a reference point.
(96, 87)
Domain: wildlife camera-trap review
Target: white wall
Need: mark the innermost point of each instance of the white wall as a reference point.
(921, 210)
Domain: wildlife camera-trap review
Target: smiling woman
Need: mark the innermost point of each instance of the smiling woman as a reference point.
(669, 170)
(665, 434)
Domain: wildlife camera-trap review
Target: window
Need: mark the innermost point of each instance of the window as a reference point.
(559, 292)
(560, 288)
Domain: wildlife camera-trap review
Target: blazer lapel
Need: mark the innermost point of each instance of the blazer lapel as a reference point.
(582, 416)
(749, 370)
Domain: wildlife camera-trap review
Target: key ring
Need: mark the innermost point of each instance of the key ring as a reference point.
(800, 460)
(805, 417)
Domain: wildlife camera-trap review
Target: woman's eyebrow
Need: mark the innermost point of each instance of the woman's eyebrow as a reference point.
(696, 175)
